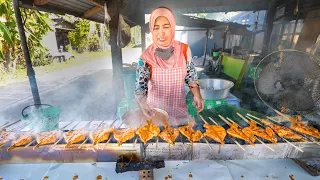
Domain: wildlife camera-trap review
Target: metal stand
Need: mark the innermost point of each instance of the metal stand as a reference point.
(30, 71)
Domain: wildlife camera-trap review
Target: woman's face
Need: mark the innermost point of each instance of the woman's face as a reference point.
(162, 32)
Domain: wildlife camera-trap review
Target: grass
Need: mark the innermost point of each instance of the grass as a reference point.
(21, 74)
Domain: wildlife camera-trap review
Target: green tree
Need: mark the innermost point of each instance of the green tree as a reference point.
(36, 26)
(79, 37)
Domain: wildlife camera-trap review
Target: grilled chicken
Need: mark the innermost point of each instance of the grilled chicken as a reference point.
(297, 126)
(100, 135)
(282, 131)
(246, 135)
(148, 131)
(47, 137)
(124, 135)
(190, 134)
(72, 137)
(267, 134)
(23, 139)
(4, 137)
(214, 132)
(169, 134)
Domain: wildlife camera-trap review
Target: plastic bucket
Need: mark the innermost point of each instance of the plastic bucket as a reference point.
(215, 54)
(42, 117)
(129, 79)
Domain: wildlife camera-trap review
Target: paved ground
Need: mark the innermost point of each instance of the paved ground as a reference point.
(85, 91)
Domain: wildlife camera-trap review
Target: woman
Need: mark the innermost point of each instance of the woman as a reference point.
(163, 70)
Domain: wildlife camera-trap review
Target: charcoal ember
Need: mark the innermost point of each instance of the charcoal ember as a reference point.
(122, 167)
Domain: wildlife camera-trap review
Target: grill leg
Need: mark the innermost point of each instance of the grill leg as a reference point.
(146, 174)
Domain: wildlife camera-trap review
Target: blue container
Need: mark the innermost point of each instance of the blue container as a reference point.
(129, 79)
(42, 117)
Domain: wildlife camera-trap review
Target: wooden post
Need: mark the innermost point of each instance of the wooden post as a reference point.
(116, 53)
(30, 71)
(205, 47)
(143, 37)
(269, 25)
(294, 29)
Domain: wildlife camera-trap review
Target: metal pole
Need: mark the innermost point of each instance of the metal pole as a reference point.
(30, 71)
(205, 48)
(294, 30)
(269, 20)
(143, 37)
(116, 52)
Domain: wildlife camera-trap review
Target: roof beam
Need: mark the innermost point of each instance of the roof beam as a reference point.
(96, 3)
(226, 5)
(40, 2)
(92, 11)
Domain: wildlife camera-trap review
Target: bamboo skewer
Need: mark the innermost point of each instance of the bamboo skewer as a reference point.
(118, 127)
(51, 147)
(203, 135)
(135, 142)
(3, 125)
(41, 139)
(45, 138)
(235, 141)
(16, 129)
(310, 138)
(255, 135)
(299, 149)
(214, 121)
(29, 131)
(88, 135)
(246, 120)
(109, 127)
(283, 115)
(69, 143)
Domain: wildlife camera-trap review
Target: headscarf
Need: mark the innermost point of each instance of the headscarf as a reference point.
(151, 54)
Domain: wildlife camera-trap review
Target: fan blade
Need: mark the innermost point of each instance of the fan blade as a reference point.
(268, 78)
(297, 99)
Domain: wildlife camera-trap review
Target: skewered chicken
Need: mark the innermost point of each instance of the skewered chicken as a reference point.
(124, 135)
(23, 139)
(190, 134)
(282, 131)
(148, 131)
(217, 133)
(75, 136)
(47, 137)
(100, 135)
(169, 134)
(267, 134)
(297, 126)
(4, 137)
(238, 133)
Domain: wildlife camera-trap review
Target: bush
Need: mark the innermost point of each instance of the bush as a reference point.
(39, 57)
(94, 43)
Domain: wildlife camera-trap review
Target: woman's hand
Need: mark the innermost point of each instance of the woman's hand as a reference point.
(198, 102)
(146, 110)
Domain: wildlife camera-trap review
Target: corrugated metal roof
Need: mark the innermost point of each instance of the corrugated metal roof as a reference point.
(130, 8)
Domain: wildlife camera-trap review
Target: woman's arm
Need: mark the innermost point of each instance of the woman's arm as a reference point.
(142, 79)
(141, 87)
(192, 81)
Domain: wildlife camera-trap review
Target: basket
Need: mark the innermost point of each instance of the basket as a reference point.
(43, 117)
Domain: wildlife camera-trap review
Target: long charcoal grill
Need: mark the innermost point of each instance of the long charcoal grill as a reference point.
(154, 152)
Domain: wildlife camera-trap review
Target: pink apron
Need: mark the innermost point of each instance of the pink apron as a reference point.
(166, 92)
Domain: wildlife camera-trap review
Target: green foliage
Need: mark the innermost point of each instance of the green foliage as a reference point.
(36, 26)
(94, 43)
(135, 36)
(79, 37)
